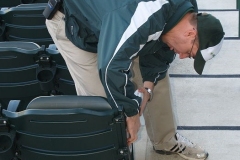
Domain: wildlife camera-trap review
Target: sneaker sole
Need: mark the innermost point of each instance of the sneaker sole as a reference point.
(181, 155)
(169, 153)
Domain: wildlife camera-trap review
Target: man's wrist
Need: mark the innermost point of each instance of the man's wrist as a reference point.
(150, 93)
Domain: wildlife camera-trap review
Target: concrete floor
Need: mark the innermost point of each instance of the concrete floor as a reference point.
(213, 104)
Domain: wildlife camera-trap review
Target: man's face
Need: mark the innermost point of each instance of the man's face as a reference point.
(184, 47)
(191, 53)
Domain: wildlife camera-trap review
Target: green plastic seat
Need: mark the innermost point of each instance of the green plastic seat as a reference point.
(25, 22)
(28, 71)
(18, 68)
(12, 3)
(68, 128)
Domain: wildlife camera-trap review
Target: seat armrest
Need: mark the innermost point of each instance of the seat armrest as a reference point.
(13, 105)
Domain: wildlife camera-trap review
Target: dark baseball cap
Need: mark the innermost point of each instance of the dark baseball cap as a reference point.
(210, 36)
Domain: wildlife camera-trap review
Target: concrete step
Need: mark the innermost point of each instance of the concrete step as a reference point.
(217, 4)
(206, 101)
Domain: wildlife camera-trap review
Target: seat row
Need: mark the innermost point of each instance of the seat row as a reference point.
(24, 22)
(12, 3)
(28, 70)
(41, 116)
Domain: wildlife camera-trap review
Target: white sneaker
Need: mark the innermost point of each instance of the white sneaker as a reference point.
(184, 148)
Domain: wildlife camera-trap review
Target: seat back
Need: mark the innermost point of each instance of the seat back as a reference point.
(68, 128)
(12, 3)
(25, 22)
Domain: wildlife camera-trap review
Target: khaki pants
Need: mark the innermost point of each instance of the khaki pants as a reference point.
(158, 115)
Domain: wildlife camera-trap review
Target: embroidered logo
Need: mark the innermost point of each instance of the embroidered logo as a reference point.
(212, 54)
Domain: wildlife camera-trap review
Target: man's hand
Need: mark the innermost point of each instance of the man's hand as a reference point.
(145, 99)
(133, 125)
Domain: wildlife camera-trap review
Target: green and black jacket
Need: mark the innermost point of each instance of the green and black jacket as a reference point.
(120, 30)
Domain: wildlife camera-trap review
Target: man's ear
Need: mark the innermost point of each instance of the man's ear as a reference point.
(191, 33)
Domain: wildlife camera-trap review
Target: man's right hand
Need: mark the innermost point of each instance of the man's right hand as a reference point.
(133, 125)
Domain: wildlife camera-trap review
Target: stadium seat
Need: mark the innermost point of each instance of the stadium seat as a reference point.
(18, 66)
(24, 22)
(12, 3)
(28, 71)
(65, 128)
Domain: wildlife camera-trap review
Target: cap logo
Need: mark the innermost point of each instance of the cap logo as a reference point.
(211, 52)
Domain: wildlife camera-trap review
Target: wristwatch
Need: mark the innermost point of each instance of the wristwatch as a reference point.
(150, 92)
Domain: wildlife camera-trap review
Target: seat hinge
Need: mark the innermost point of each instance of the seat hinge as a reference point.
(123, 151)
(3, 125)
(119, 119)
